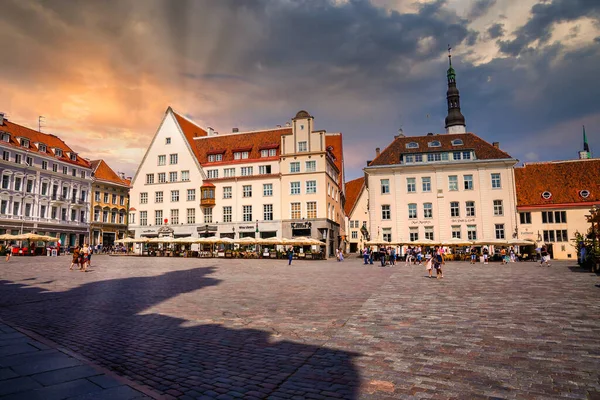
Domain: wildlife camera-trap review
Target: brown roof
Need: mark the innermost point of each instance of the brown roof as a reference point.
(103, 172)
(483, 150)
(334, 142)
(49, 140)
(226, 144)
(353, 190)
(563, 179)
(190, 131)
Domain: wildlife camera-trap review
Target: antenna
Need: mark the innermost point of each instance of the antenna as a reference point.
(40, 120)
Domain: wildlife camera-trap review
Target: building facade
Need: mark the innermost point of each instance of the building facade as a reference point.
(109, 205)
(45, 185)
(357, 214)
(281, 182)
(553, 199)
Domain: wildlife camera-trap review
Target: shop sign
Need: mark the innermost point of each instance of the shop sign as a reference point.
(207, 228)
(149, 231)
(421, 222)
(456, 220)
(246, 227)
(301, 225)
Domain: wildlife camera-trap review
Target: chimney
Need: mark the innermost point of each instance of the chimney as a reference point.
(369, 162)
(400, 134)
(128, 178)
(496, 144)
(210, 131)
(235, 130)
(1, 118)
(430, 134)
(279, 126)
(287, 124)
(377, 152)
(122, 175)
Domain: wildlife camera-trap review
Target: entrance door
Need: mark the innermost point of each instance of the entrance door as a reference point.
(108, 239)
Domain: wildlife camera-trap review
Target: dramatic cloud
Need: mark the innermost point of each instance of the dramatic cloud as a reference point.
(480, 8)
(495, 31)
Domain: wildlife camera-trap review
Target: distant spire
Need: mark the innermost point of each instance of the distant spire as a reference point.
(585, 153)
(586, 147)
(455, 121)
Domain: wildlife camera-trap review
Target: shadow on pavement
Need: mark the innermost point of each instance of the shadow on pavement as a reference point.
(105, 322)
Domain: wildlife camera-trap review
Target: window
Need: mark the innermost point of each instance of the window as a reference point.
(471, 232)
(162, 177)
(121, 200)
(435, 143)
(549, 236)
(6, 157)
(354, 234)
(58, 152)
(168, 140)
(496, 183)
(29, 186)
(42, 209)
(468, 182)
(561, 236)
(272, 152)
(418, 157)
(525, 218)
(311, 187)
(227, 214)
(97, 196)
(267, 189)
(54, 167)
(247, 213)
(453, 182)
(227, 192)
(429, 232)
(191, 195)
(409, 158)
(28, 209)
(498, 208)
(162, 159)
(18, 184)
(456, 232)
(302, 146)
(311, 166)
(412, 211)
(65, 193)
(294, 167)
(173, 176)
(296, 210)
(247, 191)
(560, 217)
(16, 209)
(466, 155)
(212, 173)
(387, 234)
(82, 175)
(411, 185)
(311, 209)
(385, 186)
(470, 208)
(172, 159)
(143, 218)
(499, 231)
(114, 199)
(264, 153)
(207, 215)
(149, 178)
(65, 170)
(105, 198)
(426, 183)
(191, 215)
(132, 218)
(158, 197)
(386, 213)
(121, 217)
(247, 171)
(454, 209)
(143, 197)
(215, 157)
(185, 176)
(174, 196)
(44, 188)
(295, 188)
(268, 212)
(412, 145)
(5, 181)
(6, 137)
(434, 157)
(413, 234)
(427, 210)
(457, 142)
(158, 217)
(456, 155)
(229, 172)
(54, 212)
(29, 161)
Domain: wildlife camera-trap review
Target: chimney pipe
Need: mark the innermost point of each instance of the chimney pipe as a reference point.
(377, 151)
(235, 130)
(288, 124)
(210, 131)
(279, 126)
(496, 144)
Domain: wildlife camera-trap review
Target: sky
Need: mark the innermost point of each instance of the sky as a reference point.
(103, 73)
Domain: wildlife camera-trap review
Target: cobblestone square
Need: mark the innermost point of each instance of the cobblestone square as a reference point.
(208, 328)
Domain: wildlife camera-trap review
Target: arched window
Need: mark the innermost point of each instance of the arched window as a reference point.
(412, 145)
(435, 143)
(457, 142)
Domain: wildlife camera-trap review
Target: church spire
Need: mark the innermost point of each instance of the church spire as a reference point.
(455, 121)
(586, 148)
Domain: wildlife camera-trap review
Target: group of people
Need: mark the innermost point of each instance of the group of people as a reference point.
(387, 256)
(82, 257)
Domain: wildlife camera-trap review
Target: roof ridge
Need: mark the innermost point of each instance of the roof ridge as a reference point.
(244, 132)
(187, 119)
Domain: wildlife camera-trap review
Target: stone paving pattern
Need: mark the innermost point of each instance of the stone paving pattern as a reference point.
(205, 328)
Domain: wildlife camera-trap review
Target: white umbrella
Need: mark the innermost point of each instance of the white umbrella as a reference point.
(456, 242)
(520, 242)
(424, 242)
(496, 242)
(188, 239)
(225, 240)
(246, 240)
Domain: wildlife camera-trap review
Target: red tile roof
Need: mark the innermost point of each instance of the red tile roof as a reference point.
(190, 131)
(103, 172)
(483, 150)
(49, 140)
(353, 190)
(563, 179)
(334, 142)
(248, 140)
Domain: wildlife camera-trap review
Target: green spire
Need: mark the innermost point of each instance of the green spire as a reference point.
(586, 146)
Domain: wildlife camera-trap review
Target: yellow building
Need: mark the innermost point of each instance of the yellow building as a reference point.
(110, 202)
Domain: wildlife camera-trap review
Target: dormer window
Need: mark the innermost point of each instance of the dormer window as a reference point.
(457, 142)
(24, 142)
(546, 195)
(73, 156)
(5, 137)
(58, 152)
(240, 155)
(41, 147)
(584, 193)
(215, 157)
(435, 143)
(412, 145)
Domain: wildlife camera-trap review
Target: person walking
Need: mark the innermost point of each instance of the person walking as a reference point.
(341, 255)
(429, 263)
(473, 255)
(485, 254)
(439, 260)
(545, 257)
(382, 256)
(393, 260)
(503, 255)
(85, 258)
(75, 259)
(290, 255)
(512, 254)
(366, 255)
(9, 251)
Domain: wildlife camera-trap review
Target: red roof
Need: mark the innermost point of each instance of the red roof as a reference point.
(353, 190)
(334, 143)
(103, 172)
(190, 131)
(34, 137)
(483, 150)
(564, 180)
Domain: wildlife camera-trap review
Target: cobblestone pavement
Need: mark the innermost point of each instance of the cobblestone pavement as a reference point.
(202, 328)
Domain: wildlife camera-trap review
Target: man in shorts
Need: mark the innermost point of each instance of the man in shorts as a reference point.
(473, 255)
(545, 256)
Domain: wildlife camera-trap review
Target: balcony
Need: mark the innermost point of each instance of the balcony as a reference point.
(207, 202)
(207, 198)
(57, 197)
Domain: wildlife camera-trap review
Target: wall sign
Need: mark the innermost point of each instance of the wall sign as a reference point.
(456, 220)
(421, 222)
(301, 225)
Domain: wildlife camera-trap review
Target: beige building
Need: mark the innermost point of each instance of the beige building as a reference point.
(357, 215)
(553, 199)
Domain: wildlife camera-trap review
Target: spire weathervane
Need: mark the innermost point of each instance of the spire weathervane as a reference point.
(449, 55)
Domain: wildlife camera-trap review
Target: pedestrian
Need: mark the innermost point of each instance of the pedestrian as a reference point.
(341, 255)
(439, 261)
(9, 251)
(75, 259)
(85, 257)
(545, 256)
(393, 256)
(337, 254)
(382, 256)
(512, 255)
(429, 263)
(485, 254)
(503, 255)
(290, 255)
(408, 259)
(371, 256)
(473, 255)
(91, 247)
(366, 255)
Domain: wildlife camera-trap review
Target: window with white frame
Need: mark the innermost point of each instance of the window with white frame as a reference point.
(496, 182)
(470, 208)
(185, 176)
(174, 196)
(168, 140)
(162, 159)
(5, 137)
(471, 232)
(456, 232)
(58, 152)
(158, 217)
(175, 216)
(6, 157)
(499, 231)
(191, 195)
(525, 218)
(418, 158)
(158, 197)
(311, 166)
(143, 197)
(207, 215)
(452, 182)
(44, 188)
(311, 187)
(302, 146)
(149, 178)
(215, 157)
(429, 232)
(143, 218)
(386, 213)
(294, 187)
(426, 183)
(191, 215)
(264, 169)
(311, 209)
(132, 218)
(427, 210)
(434, 157)
(173, 158)
(65, 170)
(247, 213)
(386, 234)
(227, 192)
(413, 234)
(247, 191)
(468, 182)
(162, 177)
(268, 212)
(354, 234)
(55, 169)
(229, 172)
(114, 198)
(294, 167)
(212, 173)
(173, 176)
(227, 214)
(296, 211)
(411, 185)
(412, 211)
(454, 209)
(121, 199)
(247, 171)
(498, 208)
(385, 186)
(267, 189)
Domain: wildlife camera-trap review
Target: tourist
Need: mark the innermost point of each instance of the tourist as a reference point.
(473, 255)
(485, 254)
(439, 260)
(545, 256)
(371, 256)
(85, 258)
(75, 259)
(91, 247)
(366, 255)
(382, 256)
(512, 255)
(429, 263)
(393, 260)
(9, 251)
(503, 255)
(340, 255)
(290, 255)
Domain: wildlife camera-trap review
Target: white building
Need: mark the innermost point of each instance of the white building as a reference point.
(45, 185)
(357, 214)
(280, 182)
